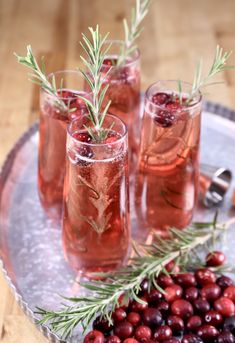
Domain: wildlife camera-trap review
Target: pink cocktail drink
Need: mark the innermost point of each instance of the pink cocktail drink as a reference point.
(55, 114)
(96, 227)
(124, 91)
(168, 169)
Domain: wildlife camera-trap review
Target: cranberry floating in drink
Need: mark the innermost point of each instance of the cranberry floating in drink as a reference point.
(124, 89)
(96, 204)
(167, 180)
(55, 113)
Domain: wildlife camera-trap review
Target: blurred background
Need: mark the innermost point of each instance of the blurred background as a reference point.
(177, 33)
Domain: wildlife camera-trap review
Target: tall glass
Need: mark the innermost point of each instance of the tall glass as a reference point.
(54, 117)
(96, 229)
(168, 169)
(124, 91)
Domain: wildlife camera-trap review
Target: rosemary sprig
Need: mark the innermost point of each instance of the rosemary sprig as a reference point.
(148, 263)
(218, 65)
(95, 58)
(39, 76)
(133, 31)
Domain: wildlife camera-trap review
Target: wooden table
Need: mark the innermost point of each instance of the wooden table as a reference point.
(177, 33)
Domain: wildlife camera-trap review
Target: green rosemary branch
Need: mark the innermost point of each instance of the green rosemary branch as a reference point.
(133, 31)
(148, 263)
(95, 58)
(39, 77)
(218, 65)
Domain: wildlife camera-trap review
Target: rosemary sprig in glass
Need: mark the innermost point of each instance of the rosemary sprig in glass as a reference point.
(39, 76)
(219, 64)
(132, 31)
(94, 78)
(148, 263)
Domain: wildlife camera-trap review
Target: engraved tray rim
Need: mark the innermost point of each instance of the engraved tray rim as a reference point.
(212, 107)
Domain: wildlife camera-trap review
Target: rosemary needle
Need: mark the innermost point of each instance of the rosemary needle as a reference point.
(95, 55)
(133, 31)
(218, 65)
(38, 75)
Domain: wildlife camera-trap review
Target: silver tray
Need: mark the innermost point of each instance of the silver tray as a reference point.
(30, 244)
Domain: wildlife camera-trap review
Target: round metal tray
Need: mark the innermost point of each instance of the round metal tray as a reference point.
(30, 244)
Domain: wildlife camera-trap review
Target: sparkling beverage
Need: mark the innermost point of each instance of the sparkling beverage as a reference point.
(168, 169)
(96, 201)
(54, 117)
(124, 91)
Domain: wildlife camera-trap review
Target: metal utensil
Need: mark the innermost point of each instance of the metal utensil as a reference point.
(214, 183)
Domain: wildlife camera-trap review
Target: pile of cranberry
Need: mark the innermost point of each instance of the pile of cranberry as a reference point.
(195, 308)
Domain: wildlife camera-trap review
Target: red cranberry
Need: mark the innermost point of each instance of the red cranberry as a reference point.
(84, 151)
(64, 93)
(82, 137)
(119, 314)
(160, 98)
(213, 317)
(173, 105)
(185, 280)
(154, 297)
(210, 292)
(215, 259)
(225, 337)
(143, 332)
(162, 333)
(123, 330)
(229, 292)
(144, 286)
(191, 339)
(191, 294)
(111, 139)
(109, 61)
(225, 307)
(152, 317)
(163, 307)
(107, 64)
(102, 325)
(172, 267)
(71, 99)
(201, 306)
(164, 118)
(208, 333)
(205, 276)
(229, 324)
(80, 102)
(176, 324)
(139, 307)
(123, 301)
(224, 281)
(182, 308)
(194, 323)
(171, 340)
(73, 115)
(94, 337)
(113, 339)
(130, 340)
(173, 293)
(134, 318)
(164, 281)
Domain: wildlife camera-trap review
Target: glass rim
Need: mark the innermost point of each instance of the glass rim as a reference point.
(198, 93)
(65, 71)
(121, 42)
(118, 141)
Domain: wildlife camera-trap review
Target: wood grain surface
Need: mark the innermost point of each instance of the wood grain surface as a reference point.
(177, 33)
